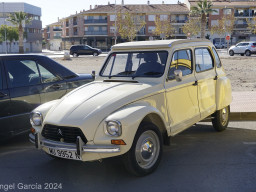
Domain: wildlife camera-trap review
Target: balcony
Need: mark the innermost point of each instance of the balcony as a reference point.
(92, 21)
(75, 33)
(67, 34)
(179, 21)
(67, 24)
(244, 14)
(74, 22)
(95, 33)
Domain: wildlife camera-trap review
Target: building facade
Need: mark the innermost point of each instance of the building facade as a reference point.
(242, 10)
(96, 26)
(52, 36)
(33, 39)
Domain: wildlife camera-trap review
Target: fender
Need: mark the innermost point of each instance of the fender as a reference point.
(130, 117)
(223, 93)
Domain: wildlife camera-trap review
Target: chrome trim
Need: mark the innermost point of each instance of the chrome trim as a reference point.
(73, 147)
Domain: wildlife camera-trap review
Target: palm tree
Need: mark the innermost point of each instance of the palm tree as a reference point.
(18, 19)
(202, 9)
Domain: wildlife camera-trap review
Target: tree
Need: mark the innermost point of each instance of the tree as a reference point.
(12, 34)
(128, 25)
(252, 25)
(192, 27)
(202, 9)
(163, 27)
(18, 19)
(225, 25)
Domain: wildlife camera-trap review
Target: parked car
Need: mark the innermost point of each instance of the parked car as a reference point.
(26, 81)
(243, 48)
(146, 92)
(221, 45)
(77, 50)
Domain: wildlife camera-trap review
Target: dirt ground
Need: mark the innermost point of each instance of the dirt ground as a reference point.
(240, 69)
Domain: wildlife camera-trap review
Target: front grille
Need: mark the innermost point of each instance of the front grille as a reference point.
(65, 134)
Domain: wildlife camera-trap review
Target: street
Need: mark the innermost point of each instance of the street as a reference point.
(199, 159)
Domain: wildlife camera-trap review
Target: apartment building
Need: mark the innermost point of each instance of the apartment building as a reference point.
(96, 26)
(53, 35)
(242, 10)
(33, 40)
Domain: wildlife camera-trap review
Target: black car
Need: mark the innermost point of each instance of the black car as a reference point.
(27, 81)
(77, 50)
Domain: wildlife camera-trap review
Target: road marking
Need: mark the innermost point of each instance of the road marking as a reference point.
(249, 143)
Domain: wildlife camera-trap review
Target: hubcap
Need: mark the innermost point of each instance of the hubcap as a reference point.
(224, 116)
(147, 149)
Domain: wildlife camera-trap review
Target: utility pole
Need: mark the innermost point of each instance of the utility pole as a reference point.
(115, 23)
(5, 30)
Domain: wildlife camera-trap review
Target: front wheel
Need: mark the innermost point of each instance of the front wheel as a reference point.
(146, 151)
(75, 55)
(231, 53)
(95, 54)
(221, 119)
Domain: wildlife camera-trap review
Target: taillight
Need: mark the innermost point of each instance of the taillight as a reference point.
(253, 46)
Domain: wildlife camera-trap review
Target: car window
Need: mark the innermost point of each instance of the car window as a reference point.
(181, 60)
(203, 59)
(217, 59)
(47, 76)
(85, 47)
(245, 44)
(22, 73)
(254, 44)
(239, 44)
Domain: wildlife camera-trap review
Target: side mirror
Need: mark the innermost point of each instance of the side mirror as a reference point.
(93, 74)
(178, 75)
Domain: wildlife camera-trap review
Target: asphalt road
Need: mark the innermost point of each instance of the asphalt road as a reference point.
(198, 159)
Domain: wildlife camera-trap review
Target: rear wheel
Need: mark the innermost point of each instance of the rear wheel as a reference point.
(75, 55)
(221, 119)
(248, 53)
(231, 53)
(146, 151)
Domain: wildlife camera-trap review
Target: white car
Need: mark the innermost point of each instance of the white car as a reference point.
(145, 93)
(243, 48)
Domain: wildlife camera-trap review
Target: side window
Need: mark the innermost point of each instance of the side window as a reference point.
(203, 59)
(1, 78)
(47, 76)
(22, 73)
(85, 47)
(181, 60)
(217, 59)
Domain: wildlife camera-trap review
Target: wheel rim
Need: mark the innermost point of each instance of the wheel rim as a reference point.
(247, 53)
(231, 52)
(224, 116)
(147, 149)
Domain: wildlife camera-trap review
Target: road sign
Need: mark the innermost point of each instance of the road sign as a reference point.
(228, 37)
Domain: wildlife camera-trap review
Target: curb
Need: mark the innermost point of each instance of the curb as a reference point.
(242, 116)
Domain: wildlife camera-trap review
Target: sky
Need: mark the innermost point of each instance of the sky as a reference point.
(52, 9)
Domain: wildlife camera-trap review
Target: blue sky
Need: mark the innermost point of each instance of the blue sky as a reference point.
(52, 9)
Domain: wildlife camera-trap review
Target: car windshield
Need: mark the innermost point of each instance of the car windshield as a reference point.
(135, 64)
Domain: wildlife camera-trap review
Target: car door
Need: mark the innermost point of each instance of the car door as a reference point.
(87, 50)
(206, 79)
(53, 86)
(239, 48)
(182, 96)
(5, 128)
(24, 89)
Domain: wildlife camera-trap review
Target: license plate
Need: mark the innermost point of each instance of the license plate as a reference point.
(64, 154)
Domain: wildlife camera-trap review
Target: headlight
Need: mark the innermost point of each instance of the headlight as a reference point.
(36, 118)
(114, 128)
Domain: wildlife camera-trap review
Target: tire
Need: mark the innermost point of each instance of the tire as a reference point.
(231, 53)
(221, 119)
(75, 55)
(248, 53)
(242, 54)
(95, 54)
(146, 151)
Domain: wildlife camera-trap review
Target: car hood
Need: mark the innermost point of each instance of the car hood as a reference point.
(87, 106)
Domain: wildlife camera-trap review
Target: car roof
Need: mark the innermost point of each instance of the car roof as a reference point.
(21, 55)
(156, 43)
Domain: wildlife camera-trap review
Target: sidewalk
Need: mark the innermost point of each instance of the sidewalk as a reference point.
(243, 106)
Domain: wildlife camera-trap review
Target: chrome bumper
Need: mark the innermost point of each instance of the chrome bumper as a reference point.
(79, 147)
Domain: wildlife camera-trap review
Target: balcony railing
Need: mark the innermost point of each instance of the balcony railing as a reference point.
(67, 24)
(75, 23)
(242, 14)
(67, 34)
(95, 33)
(57, 29)
(75, 33)
(179, 21)
(89, 21)
(241, 25)
(57, 37)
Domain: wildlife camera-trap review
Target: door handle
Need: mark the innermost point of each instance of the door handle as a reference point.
(56, 86)
(195, 84)
(2, 95)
